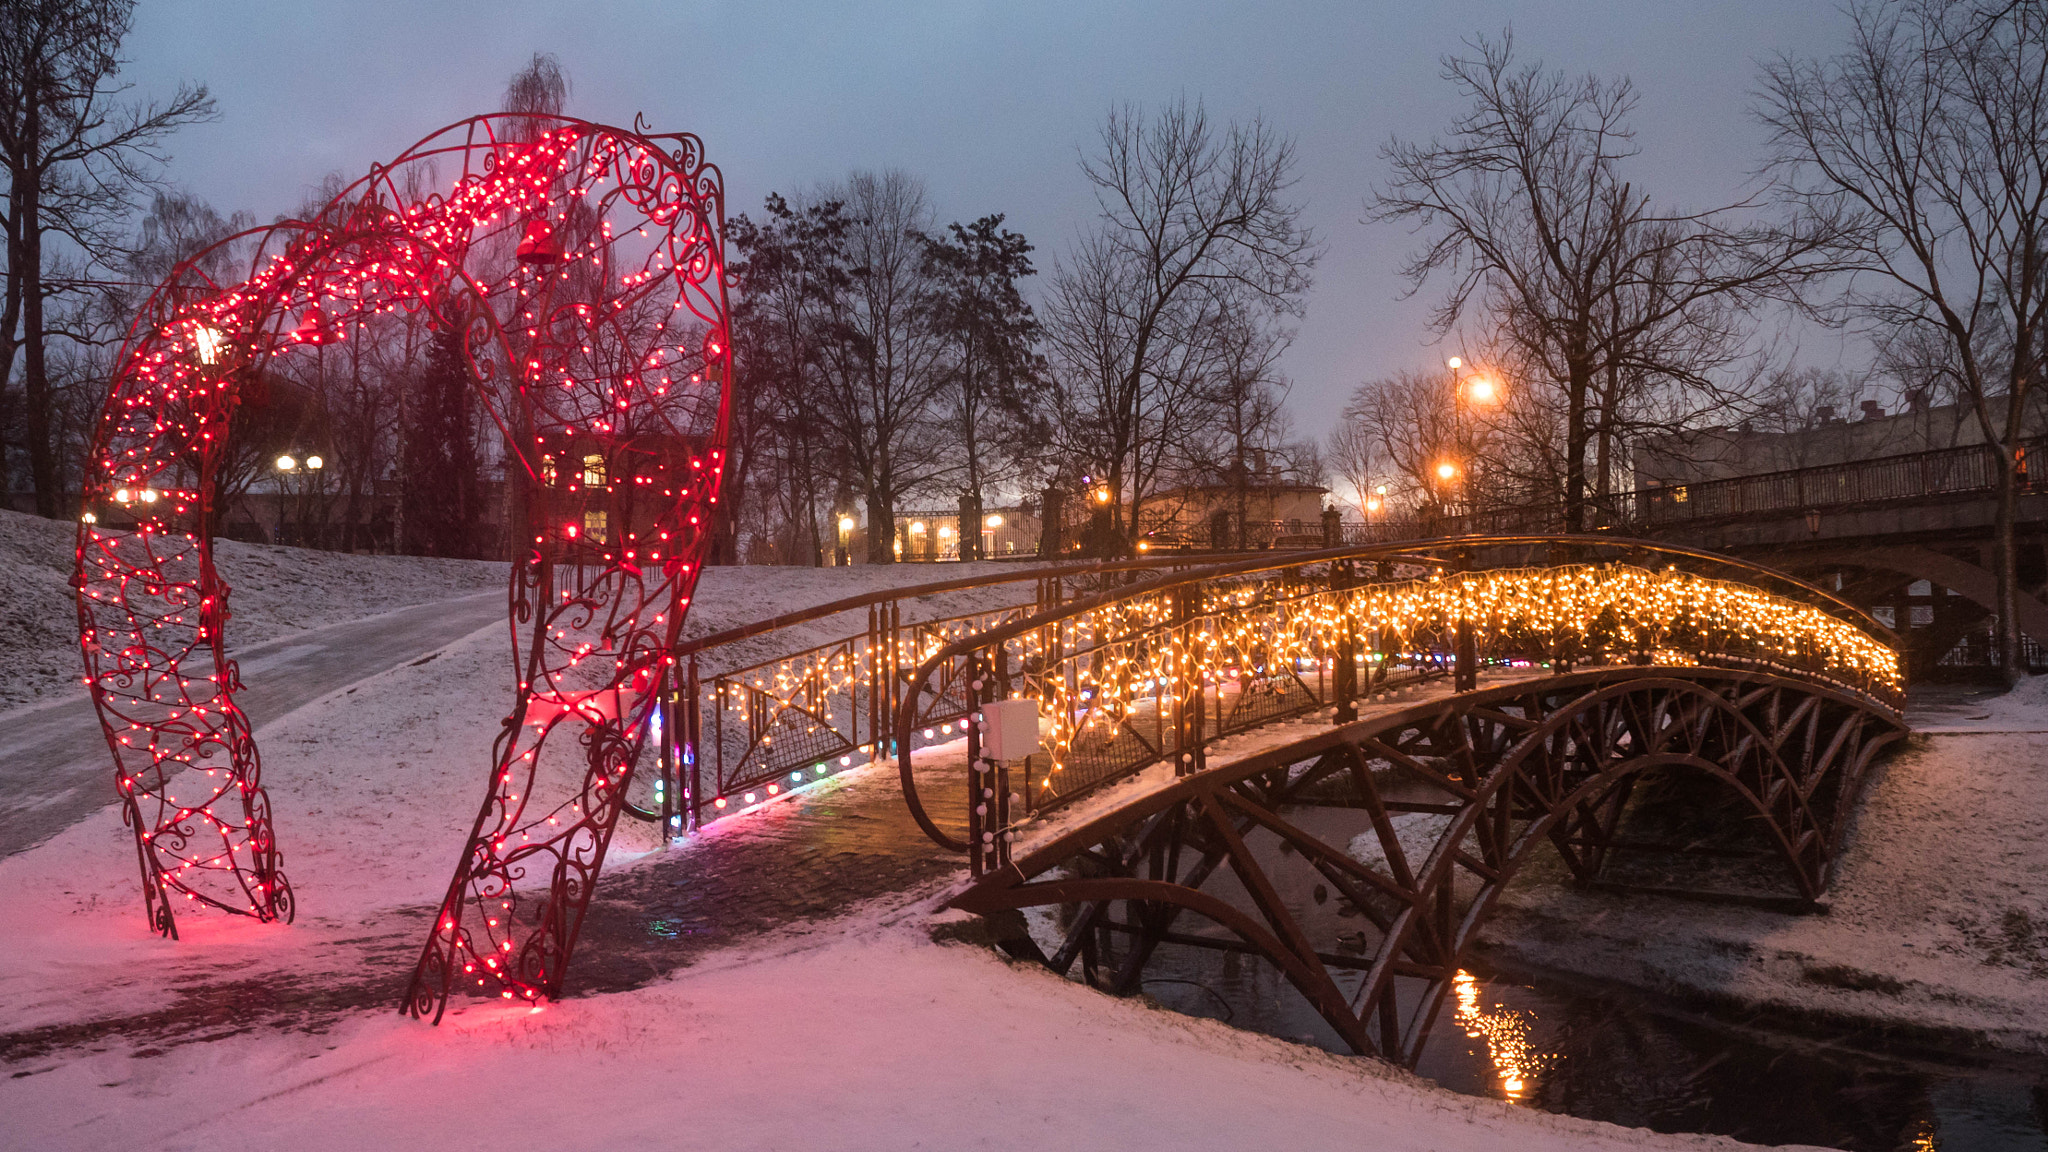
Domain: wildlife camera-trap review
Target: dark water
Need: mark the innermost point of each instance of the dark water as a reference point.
(1571, 1046)
(1565, 1047)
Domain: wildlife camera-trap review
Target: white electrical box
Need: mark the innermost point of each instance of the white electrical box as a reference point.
(1009, 729)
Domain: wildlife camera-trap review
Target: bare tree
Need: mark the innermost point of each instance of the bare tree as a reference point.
(1930, 136)
(1195, 222)
(75, 155)
(1353, 457)
(993, 364)
(1526, 211)
(879, 381)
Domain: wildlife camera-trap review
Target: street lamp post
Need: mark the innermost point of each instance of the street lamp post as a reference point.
(1467, 389)
(287, 466)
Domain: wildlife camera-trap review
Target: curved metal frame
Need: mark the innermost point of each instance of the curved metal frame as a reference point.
(1552, 760)
(583, 266)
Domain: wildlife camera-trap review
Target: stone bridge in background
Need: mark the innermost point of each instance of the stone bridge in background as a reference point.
(1909, 537)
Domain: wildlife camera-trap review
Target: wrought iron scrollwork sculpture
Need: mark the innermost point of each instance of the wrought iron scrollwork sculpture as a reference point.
(580, 269)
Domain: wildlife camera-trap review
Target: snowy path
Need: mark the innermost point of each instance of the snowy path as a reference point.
(54, 769)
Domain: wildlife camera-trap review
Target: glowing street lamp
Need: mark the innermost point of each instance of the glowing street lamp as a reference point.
(289, 465)
(1446, 470)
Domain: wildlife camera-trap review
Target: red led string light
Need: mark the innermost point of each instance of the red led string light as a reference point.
(583, 268)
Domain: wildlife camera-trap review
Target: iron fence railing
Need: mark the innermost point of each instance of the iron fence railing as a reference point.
(1157, 674)
(728, 738)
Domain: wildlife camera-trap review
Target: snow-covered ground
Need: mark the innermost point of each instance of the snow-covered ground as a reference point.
(866, 1034)
(274, 593)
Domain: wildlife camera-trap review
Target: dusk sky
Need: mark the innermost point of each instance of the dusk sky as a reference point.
(989, 103)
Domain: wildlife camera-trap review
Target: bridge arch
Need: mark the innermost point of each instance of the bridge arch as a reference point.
(1555, 690)
(1971, 581)
(576, 271)
(1529, 766)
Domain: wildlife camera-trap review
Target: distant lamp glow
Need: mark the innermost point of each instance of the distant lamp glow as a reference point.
(1481, 389)
(945, 531)
(1380, 491)
(286, 463)
(122, 496)
(994, 521)
(315, 463)
(1372, 504)
(1454, 363)
(1144, 545)
(208, 341)
(149, 495)
(89, 518)
(1446, 470)
(1102, 495)
(846, 523)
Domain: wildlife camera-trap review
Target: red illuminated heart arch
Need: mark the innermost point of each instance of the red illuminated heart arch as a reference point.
(579, 270)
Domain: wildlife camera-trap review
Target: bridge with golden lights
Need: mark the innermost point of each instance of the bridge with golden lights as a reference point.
(1334, 760)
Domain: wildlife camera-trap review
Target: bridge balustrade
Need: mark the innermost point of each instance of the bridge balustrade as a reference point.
(1795, 491)
(734, 732)
(1160, 673)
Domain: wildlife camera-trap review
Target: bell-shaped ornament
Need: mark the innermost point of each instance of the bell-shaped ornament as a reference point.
(539, 245)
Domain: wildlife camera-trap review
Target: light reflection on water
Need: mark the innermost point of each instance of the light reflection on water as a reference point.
(1618, 1057)
(1506, 1032)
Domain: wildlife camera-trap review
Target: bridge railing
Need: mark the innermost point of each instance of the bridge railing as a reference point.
(1158, 674)
(733, 732)
(1793, 491)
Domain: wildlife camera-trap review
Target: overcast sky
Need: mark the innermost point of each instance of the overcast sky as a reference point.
(987, 102)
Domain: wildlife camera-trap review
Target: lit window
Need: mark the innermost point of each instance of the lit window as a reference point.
(593, 472)
(596, 526)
